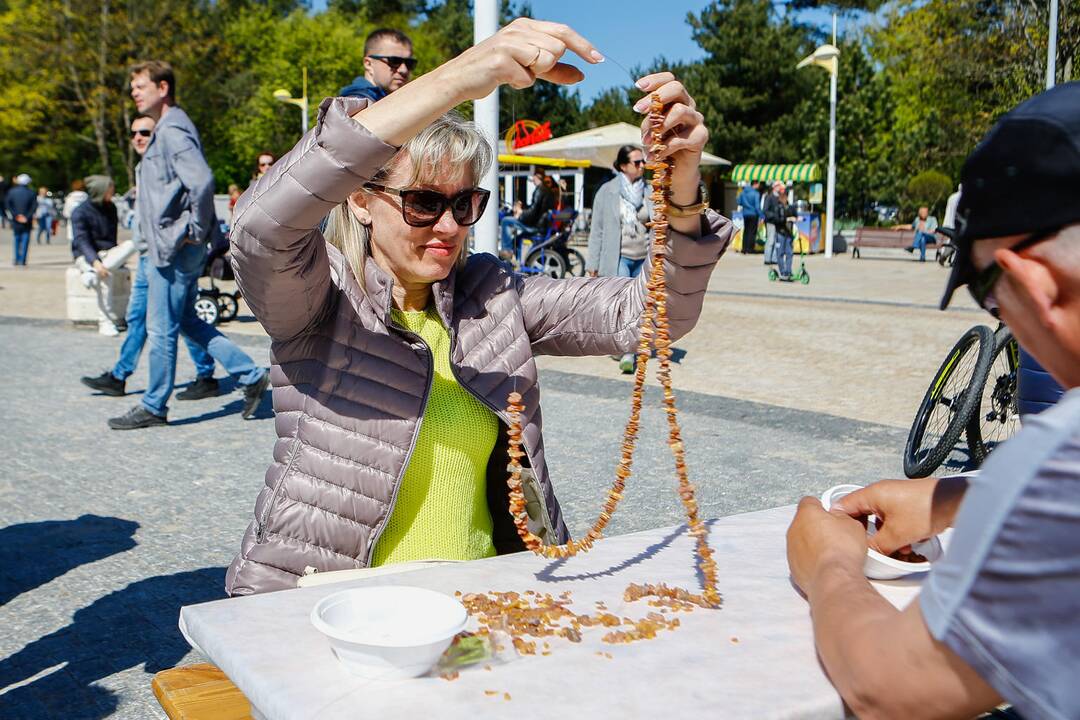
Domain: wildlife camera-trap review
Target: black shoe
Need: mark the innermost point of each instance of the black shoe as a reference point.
(253, 394)
(136, 418)
(203, 387)
(909, 250)
(105, 383)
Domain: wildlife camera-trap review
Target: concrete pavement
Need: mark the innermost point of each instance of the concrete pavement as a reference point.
(784, 391)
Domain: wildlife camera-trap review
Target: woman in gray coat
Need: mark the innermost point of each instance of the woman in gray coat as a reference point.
(619, 238)
(393, 353)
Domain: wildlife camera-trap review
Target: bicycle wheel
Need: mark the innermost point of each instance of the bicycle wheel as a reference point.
(575, 263)
(949, 402)
(546, 261)
(997, 417)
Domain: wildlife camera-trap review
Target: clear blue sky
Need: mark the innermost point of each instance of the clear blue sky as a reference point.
(629, 31)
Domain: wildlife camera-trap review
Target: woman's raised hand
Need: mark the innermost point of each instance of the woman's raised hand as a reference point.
(684, 128)
(518, 55)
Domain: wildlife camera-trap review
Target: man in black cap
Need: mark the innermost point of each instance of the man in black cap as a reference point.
(998, 617)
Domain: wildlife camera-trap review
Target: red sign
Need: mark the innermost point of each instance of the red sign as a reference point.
(529, 132)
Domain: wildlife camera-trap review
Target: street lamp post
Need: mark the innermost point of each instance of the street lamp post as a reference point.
(486, 115)
(1051, 47)
(301, 102)
(828, 57)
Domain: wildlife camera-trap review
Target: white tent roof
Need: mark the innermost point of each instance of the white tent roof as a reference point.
(599, 145)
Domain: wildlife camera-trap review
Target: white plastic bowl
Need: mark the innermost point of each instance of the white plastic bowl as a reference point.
(389, 632)
(883, 567)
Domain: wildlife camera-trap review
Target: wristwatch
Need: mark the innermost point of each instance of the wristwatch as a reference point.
(690, 210)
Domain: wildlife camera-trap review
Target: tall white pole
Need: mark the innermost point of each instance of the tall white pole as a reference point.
(1051, 50)
(486, 115)
(830, 190)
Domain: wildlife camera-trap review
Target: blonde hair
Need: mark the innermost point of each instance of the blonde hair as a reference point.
(446, 149)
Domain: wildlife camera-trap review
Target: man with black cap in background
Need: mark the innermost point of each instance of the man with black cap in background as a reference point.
(998, 617)
(93, 227)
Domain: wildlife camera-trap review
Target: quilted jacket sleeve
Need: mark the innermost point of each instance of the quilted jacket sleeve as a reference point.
(600, 316)
(278, 252)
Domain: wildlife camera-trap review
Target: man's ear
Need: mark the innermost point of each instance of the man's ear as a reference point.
(1033, 283)
(358, 206)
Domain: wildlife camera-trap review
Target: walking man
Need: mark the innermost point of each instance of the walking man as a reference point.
(388, 63)
(21, 203)
(112, 382)
(175, 208)
(749, 201)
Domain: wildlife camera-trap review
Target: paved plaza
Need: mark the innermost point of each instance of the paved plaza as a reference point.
(784, 390)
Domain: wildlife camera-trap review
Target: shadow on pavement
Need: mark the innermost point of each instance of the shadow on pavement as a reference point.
(32, 554)
(55, 675)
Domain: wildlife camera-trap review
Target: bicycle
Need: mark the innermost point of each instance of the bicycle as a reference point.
(973, 393)
(547, 251)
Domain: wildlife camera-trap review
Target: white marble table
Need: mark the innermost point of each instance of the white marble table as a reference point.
(753, 658)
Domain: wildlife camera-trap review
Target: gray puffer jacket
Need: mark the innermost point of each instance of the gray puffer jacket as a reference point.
(350, 385)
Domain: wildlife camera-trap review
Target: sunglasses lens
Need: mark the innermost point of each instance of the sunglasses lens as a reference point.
(397, 62)
(422, 207)
(469, 206)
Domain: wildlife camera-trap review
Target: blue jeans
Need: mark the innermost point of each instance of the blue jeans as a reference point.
(630, 268)
(136, 333)
(784, 251)
(507, 228)
(921, 238)
(44, 228)
(170, 310)
(22, 243)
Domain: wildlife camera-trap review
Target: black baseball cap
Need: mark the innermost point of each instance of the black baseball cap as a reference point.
(1022, 178)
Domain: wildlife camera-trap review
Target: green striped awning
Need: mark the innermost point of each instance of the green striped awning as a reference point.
(803, 172)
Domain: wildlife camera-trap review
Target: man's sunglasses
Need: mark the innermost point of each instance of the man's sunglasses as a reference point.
(982, 285)
(423, 208)
(638, 163)
(144, 133)
(395, 62)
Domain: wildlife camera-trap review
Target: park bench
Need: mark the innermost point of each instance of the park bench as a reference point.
(199, 692)
(867, 237)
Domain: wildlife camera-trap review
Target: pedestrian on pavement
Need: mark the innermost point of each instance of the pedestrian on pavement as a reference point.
(263, 163)
(749, 201)
(44, 214)
(785, 239)
(998, 616)
(529, 219)
(21, 203)
(770, 210)
(619, 238)
(94, 225)
(113, 382)
(4, 187)
(388, 64)
(72, 200)
(395, 348)
(176, 219)
(924, 226)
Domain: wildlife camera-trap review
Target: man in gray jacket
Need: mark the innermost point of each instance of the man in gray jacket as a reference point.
(175, 210)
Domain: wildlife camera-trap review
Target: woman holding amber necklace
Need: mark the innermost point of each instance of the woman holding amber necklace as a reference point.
(393, 351)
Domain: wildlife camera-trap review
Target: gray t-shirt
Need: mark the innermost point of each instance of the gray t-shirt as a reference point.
(1006, 597)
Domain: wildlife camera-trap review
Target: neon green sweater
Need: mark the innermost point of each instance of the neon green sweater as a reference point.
(441, 509)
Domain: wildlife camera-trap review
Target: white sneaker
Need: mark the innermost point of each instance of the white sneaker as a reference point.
(107, 329)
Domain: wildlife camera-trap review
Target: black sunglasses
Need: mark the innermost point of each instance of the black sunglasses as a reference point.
(982, 285)
(395, 62)
(423, 208)
(144, 133)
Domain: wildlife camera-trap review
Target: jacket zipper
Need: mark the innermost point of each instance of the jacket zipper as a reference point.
(261, 527)
(412, 444)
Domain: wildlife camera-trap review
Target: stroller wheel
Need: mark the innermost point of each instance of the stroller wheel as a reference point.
(227, 306)
(206, 308)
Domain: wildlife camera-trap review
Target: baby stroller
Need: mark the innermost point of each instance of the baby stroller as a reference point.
(214, 305)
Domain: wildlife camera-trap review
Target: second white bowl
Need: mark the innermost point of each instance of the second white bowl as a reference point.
(883, 567)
